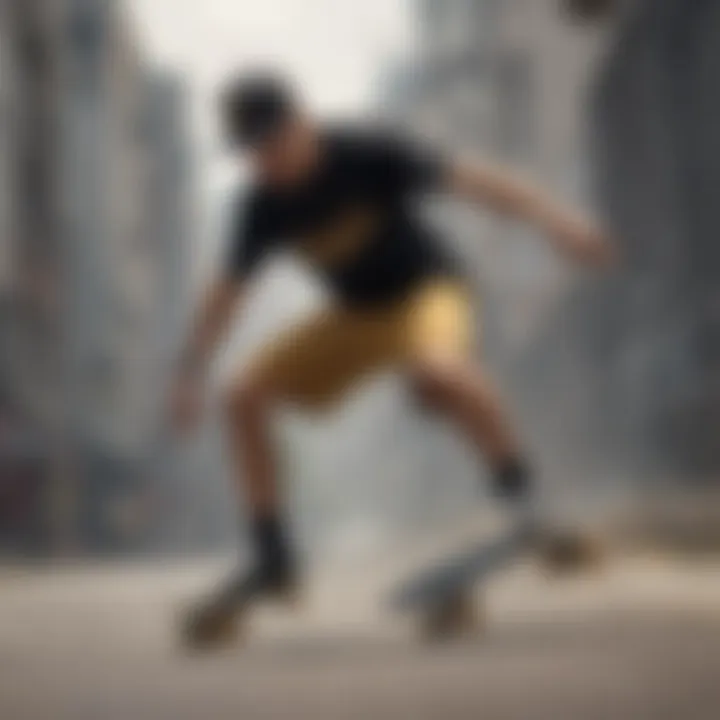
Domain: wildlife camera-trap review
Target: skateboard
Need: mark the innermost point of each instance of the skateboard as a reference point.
(442, 595)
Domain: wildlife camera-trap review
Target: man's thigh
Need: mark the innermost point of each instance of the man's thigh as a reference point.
(312, 365)
(315, 363)
(439, 322)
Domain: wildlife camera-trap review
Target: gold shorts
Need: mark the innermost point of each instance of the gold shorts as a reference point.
(316, 362)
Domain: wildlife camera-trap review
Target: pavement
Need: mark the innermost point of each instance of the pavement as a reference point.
(640, 640)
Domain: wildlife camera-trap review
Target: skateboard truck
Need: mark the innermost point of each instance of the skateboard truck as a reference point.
(457, 616)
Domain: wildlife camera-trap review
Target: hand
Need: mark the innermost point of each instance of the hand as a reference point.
(585, 243)
(185, 404)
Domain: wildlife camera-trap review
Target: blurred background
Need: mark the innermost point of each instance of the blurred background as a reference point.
(114, 192)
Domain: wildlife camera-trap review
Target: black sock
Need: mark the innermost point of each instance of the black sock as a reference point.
(269, 541)
(512, 478)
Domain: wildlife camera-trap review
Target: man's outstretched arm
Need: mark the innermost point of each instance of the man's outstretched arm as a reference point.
(211, 322)
(498, 189)
(210, 325)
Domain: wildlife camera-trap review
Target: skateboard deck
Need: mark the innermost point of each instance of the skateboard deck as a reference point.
(445, 580)
(442, 594)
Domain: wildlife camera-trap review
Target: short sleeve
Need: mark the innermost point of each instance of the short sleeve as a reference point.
(410, 166)
(248, 238)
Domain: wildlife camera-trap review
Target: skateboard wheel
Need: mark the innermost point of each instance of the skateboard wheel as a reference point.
(206, 629)
(569, 552)
(456, 616)
(292, 598)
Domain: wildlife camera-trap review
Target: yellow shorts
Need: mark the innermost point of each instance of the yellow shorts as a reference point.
(313, 364)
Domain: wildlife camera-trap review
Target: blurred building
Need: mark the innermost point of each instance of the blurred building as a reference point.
(619, 112)
(168, 227)
(503, 80)
(655, 133)
(99, 223)
(32, 458)
(170, 207)
(6, 186)
(508, 81)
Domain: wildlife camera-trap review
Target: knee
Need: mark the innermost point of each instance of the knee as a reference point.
(245, 400)
(433, 379)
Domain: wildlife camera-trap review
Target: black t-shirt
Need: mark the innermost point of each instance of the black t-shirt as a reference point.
(352, 219)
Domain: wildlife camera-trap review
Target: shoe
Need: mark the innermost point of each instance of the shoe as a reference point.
(513, 488)
(214, 621)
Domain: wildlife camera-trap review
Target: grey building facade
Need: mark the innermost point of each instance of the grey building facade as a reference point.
(94, 278)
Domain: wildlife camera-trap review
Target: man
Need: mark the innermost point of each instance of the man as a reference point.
(343, 200)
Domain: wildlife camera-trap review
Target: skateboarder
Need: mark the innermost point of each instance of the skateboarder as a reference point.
(343, 199)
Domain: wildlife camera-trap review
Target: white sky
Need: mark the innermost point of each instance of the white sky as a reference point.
(334, 48)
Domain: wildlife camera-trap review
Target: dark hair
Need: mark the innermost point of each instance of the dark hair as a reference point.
(254, 106)
(589, 10)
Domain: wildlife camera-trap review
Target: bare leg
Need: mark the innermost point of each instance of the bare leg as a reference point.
(253, 452)
(249, 424)
(215, 620)
(463, 393)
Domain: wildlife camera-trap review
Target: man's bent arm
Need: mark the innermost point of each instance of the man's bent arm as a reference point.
(211, 323)
(510, 195)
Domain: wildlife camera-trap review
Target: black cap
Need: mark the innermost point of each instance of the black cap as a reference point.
(255, 106)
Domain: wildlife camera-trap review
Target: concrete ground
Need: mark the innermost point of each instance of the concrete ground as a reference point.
(639, 641)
